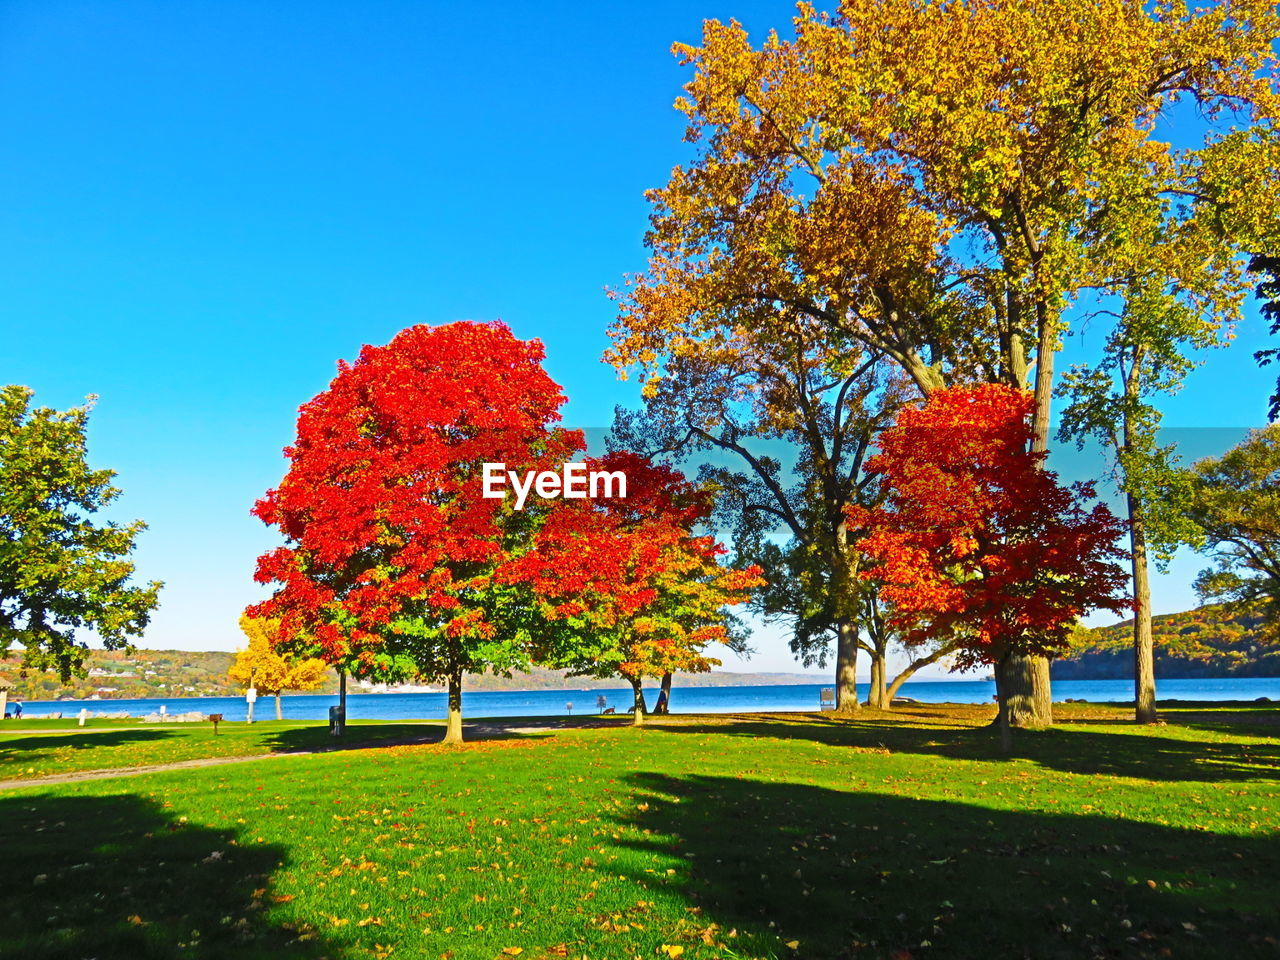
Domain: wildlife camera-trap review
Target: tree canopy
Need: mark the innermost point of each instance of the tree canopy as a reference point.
(949, 211)
(1237, 505)
(60, 572)
(261, 666)
(976, 539)
(392, 549)
(628, 587)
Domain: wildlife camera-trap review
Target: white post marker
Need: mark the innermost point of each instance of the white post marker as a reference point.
(250, 697)
(84, 714)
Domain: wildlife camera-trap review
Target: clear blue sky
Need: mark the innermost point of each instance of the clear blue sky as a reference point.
(204, 204)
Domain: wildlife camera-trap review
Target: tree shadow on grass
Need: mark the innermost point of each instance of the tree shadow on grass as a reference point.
(844, 875)
(364, 736)
(357, 737)
(117, 877)
(36, 747)
(1070, 748)
(80, 741)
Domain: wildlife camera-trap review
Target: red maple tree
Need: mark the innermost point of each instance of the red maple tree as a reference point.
(391, 549)
(976, 539)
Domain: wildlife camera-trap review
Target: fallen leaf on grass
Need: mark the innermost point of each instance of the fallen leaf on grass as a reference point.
(671, 949)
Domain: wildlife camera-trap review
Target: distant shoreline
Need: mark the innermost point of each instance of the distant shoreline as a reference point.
(619, 688)
(751, 698)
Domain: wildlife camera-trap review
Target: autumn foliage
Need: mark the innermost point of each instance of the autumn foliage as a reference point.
(261, 666)
(626, 585)
(396, 565)
(976, 539)
(391, 548)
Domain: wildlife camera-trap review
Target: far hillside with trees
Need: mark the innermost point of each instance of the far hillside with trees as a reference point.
(1201, 643)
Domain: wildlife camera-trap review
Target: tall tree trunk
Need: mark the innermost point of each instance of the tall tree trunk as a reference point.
(342, 701)
(641, 710)
(846, 668)
(1027, 691)
(666, 692)
(875, 695)
(453, 732)
(1003, 718)
(878, 649)
(843, 579)
(279, 709)
(1144, 669)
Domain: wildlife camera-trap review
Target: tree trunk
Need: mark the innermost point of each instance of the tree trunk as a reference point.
(1027, 687)
(910, 669)
(342, 701)
(279, 709)
(666, 693)
(453, 732)
(641, 710)
(876, 695)
(1144, 671)
(878, 650)
(846, 667)
(1022, 683)
(1002, 707)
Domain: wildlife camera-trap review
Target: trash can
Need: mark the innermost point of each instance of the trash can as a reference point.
(336, 721)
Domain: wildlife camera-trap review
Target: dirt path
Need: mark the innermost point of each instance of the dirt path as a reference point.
(128, 771)
(482, 730)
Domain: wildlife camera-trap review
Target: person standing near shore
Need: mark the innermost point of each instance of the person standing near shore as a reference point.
(17, 709)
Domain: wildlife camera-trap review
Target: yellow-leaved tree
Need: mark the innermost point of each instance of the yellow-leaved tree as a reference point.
(261, 667)
(952, 186)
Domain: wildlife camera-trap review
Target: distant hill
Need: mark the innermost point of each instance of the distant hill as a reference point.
(116, 675)
(1201, 643)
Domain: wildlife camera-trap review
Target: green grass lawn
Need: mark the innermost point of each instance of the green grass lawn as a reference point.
(781, 837)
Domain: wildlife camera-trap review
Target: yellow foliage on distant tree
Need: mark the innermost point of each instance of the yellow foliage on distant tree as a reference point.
(261, 667)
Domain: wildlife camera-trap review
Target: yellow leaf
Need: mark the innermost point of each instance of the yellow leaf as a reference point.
(672, 949)
(513, 951)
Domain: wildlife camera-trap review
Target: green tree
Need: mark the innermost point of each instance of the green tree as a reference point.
(59, 571)
(1145, 355)
(1236, 503)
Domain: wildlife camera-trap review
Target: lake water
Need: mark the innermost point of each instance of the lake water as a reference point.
(746, 699)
